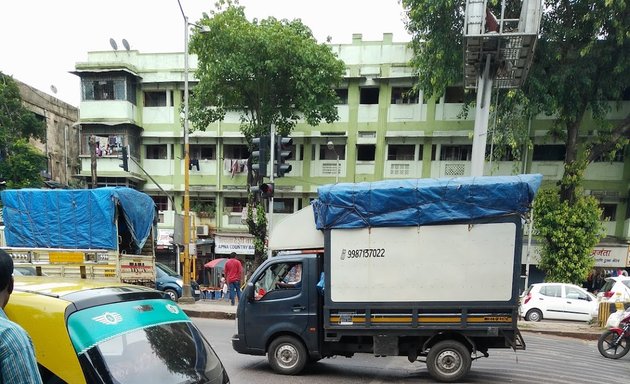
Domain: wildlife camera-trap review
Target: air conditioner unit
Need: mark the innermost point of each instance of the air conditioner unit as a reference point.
(202, 230)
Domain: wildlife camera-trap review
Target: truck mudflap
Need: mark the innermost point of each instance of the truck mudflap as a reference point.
(515, 341)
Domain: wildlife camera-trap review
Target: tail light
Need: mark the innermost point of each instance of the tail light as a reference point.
(608, 294)
(527, 298)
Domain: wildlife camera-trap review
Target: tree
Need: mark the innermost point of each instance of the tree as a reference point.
(570, 233)
(20, 162)
(273, 71)
(581, 65)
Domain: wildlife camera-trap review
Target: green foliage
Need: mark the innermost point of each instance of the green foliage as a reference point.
(272, 71)
(569, 231)
(20, 162)
(22, 166)
(203, 209)
(257, 225)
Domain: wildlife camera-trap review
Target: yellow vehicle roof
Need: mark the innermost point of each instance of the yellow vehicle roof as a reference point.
(42, 304)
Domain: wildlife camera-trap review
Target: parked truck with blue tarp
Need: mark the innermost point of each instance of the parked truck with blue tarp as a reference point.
(428, 269)
(103, 233)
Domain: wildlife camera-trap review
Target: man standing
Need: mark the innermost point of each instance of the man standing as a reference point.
(17, 357)
(233, 271)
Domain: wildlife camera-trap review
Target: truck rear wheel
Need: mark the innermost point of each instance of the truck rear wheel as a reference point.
(448, 361)
(287, 355)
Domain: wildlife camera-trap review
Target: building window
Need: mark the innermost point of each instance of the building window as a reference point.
(203, 206)
(404, 152)
(156, 99)
(404, 95)
(203, 152)
(233, 204)
(500, 153)
(616, 158)
(342, 94)
(454, 95)
(161, 202)
(331, 154)
(366, 152)
(456, 152)
(106, 145)
(554, 152)
(609, 212)
(369, 96)
(283, 206)
(156, 151)
(103, 89)
(235, 151)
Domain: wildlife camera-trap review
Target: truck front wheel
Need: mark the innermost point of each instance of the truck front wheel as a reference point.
(287, 355)
(448, 361)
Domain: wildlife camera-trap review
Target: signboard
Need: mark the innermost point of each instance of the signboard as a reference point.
(66, 257)
(226, 244)
(609, 256)
(165, 238)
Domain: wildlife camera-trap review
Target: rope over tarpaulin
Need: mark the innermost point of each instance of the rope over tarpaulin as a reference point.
(412, 202)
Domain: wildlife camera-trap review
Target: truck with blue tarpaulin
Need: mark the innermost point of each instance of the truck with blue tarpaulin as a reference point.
(428, 269)
(102, 233)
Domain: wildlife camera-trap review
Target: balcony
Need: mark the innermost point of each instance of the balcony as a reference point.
(107, 111)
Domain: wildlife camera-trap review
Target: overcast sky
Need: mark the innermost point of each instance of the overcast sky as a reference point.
(42, 40)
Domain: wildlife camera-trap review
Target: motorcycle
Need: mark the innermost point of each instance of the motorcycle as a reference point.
(614, 343)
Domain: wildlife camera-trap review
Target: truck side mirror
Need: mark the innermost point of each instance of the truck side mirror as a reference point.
(249, 290)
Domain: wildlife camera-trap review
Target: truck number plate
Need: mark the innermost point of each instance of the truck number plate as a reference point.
(362, 253)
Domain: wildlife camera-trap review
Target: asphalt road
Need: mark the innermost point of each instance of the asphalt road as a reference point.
(548, 359)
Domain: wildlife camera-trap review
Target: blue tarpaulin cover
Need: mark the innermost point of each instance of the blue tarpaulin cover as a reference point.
(410, 202)
(76, 218)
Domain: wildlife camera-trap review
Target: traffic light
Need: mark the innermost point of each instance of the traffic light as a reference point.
(260, 155)
(265, 190)
(283, 152)
(125, 158)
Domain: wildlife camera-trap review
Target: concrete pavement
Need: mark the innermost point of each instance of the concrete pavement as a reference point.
(221, 309)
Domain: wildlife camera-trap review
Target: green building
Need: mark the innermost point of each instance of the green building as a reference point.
(383, 132)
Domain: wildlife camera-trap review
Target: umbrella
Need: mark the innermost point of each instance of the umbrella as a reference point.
(220, 262)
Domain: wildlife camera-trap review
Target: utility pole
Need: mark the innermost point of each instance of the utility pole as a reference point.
(92, 143)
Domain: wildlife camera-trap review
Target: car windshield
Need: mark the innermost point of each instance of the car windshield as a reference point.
(168, 353)
(149, 341)
(167, 270)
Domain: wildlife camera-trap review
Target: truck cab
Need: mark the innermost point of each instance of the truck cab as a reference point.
(280, 299)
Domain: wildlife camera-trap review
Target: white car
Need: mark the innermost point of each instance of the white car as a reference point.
(615, 289)
(558, 301)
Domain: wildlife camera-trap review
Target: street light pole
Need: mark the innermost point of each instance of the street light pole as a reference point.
(186, 289)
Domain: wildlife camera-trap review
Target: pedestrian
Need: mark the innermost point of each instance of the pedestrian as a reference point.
(233, 272)
(17, 356)
(224, 287)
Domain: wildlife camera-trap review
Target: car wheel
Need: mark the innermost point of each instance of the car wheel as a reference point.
(534, 315)
(171, 294)
(448, 361)
(287, 355)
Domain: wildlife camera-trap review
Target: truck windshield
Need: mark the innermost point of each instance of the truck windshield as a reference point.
(279, 276)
